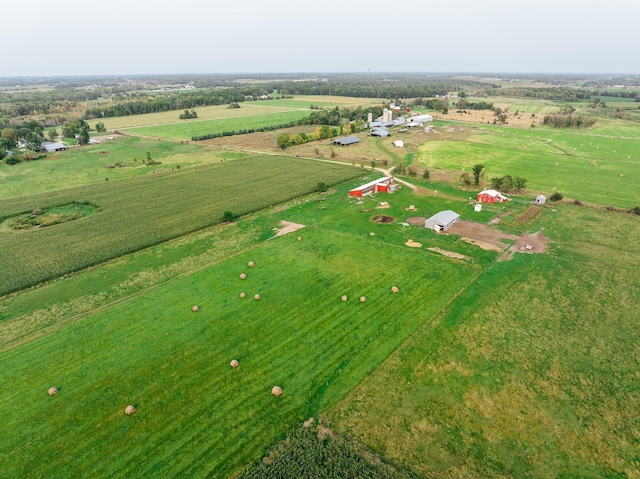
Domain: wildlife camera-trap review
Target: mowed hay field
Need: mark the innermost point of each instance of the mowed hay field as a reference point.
(599, 170)
(134, 213)
(531, 372)
(196, 416)
(205, 113)
(184, 131)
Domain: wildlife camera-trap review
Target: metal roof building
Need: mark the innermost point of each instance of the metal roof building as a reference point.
(51, 147)
(381, 132)
(347, 140)
(442, 221)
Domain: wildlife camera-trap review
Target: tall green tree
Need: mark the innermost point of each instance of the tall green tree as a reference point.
(478, 173)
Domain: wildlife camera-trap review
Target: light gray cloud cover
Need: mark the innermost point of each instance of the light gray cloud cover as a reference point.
(74, 37)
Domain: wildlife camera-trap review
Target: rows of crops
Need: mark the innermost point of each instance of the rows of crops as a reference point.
(139, 212)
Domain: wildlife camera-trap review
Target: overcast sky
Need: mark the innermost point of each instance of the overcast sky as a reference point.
(83, 37)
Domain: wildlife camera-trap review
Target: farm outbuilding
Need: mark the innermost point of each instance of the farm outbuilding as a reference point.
(442, 221)
(540, 200)
(347, 140)
(381, 132)
(491, 197)
(380, 185)
(51, 147)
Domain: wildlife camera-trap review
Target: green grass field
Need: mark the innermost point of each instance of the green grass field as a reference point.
(597, 170)
(138, 212)
(184, 131)
(531, 372)
(204, 113)
(197, 416)
(88, 165)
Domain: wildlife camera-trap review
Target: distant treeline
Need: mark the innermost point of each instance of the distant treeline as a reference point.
(168, 102)
(211, 136)
(43, 103)
(552, 93)
(568, 121)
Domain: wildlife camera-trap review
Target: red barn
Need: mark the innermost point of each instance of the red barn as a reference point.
(491, 196)
(381, 184)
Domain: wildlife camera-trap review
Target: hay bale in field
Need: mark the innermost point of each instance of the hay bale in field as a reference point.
(276, 390)
(52, 391)
(243, 276)
(299, 238)
(243, 295)
(251, 264)
(256, 297)
(195, 309)
(395, 289)
(363, 299)
(344, 297)
(234, 363)
(129, 410)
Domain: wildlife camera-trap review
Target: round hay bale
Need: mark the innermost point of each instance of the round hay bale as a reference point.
(251, 264)
(129, 410)
(621, 175)
(344, 297)
(195, 309)
(52, 391)
(276, 390)
(395, 289)
(256, 297)
(363, 299)
(243, 295)
(234, 363)
(299, 238)
(243, 276)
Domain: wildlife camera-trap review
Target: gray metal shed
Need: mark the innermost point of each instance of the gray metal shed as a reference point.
(442, 221)
(347, 140)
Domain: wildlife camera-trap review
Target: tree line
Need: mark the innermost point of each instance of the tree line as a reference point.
(560, 120)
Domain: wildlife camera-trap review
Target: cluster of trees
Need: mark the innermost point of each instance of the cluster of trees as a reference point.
(77, 127)
(52, 102)
(30, 130)
(188, 115)
(464, 104)
(560, 120)
(321, 133)
(509, 184)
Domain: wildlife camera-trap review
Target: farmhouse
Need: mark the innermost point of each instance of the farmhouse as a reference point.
(347, 140)
(51, 147)
(385, 184)
(491, 196)
(442, 221)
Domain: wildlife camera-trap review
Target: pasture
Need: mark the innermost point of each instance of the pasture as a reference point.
(142, 211)
(89, 165)
(604, 171)
(196, 415)
(187, 129)
(531, 372)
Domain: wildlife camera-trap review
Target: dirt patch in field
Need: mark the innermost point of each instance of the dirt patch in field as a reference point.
(487, 117)
(484, 244)
(416, 220)
(449, 254)
(287, 227)
(263, 141)
(385, 219)
(481, 233)
(413, 244)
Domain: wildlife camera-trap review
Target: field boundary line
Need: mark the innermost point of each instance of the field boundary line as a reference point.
(428, 322)
(80, 316)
